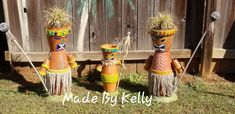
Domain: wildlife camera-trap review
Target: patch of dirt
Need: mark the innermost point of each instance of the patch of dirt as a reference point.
(214, 78)
(187, 78)
(28, 73)
(30, 76)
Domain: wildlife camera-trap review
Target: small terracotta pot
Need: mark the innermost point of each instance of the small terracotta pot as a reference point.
(109, 74)
(57, 37)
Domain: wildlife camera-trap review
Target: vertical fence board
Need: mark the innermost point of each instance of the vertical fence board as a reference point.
(97, 27)
(114, 23)
(14, 22)
(23, 19)
(129, 17)
(34, 23)
(222, 7)
(83, 68)
(162, 5)
(178, 9)
(145, 11)
(77, 25)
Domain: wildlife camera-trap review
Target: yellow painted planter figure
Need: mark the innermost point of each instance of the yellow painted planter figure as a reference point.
(108, 69)
(57, 67)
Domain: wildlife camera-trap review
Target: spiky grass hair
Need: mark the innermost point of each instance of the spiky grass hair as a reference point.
(56, 17)
(162, 21)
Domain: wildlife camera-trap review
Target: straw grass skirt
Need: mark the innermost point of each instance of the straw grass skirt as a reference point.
(59, 83)
(160, 85)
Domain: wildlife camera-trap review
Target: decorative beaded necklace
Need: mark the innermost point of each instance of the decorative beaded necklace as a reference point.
(108, 62)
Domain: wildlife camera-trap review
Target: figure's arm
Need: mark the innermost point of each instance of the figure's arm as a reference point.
(177, 66)
(148, 63)
(118, 62)
(99, 68)
(44, 67)
(72, 61)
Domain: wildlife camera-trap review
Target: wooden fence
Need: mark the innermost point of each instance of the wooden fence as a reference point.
(26, 21)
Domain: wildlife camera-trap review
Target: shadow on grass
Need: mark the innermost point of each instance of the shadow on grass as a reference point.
(219, 94)
(25, 86)
(90, 82)
(194, 88)
(133, 87)
(228, 77)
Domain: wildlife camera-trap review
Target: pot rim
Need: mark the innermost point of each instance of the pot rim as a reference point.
(161, 32)
(58, 28)
(58, 31)
(109, 47)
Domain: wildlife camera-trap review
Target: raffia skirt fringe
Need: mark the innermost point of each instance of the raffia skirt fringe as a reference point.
(161, 85)
(58, 83)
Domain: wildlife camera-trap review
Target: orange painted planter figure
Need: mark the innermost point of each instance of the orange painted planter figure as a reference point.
(57, 67)
(109, 72)
(162, 69)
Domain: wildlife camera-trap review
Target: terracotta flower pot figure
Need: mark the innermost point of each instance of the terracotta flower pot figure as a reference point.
(161, 68)
(108, 69)
(57, 67)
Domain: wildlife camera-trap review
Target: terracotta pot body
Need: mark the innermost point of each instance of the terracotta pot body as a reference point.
(161, 78)
(57, 67)
(109, 73)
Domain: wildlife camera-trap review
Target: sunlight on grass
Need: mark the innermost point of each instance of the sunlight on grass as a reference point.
(193, 97)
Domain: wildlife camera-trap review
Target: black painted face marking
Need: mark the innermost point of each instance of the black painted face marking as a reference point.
(57, 38)
(161, 47)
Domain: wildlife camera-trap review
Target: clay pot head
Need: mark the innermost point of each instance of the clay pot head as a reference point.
(57, 37)
(162, 39)
(109, 51)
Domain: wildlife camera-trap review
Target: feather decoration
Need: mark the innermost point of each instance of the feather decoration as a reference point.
(124, 46)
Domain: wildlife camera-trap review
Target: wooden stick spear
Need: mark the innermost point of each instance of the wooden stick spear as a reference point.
(4, 28)
(214, 16)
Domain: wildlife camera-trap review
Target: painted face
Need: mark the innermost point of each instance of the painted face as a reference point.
(109, 55)
(57, 43)
(57, 37)
(109, 51)
(162, 44)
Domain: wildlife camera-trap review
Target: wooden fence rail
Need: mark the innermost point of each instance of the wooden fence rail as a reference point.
(98, 29)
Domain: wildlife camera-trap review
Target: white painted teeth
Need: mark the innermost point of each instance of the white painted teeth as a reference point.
(159, 47)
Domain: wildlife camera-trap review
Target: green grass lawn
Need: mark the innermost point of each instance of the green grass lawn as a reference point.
(194, 97)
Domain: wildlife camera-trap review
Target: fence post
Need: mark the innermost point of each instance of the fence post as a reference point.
(207, 46)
